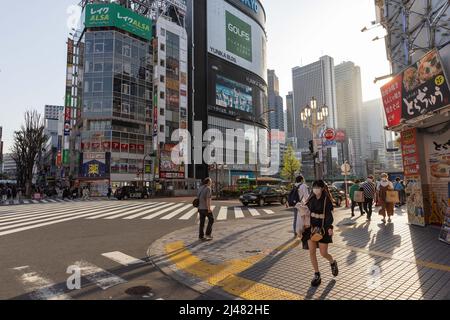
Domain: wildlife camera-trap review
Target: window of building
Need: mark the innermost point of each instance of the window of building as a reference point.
(147, 94)
(125, 88)
(98, 67)
(163, 32)
(127, 68)
(163, 47)
(162, 63)
(126, 108)
(126, 50)
(162, 95)
(99, 48)
(161, 128)
(161, 111)
(97, 86)
(161, 79)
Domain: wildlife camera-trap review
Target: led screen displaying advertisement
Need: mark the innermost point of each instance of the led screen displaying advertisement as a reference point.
(236, 37)
(233, 92)
(420, 89)
(233, 95)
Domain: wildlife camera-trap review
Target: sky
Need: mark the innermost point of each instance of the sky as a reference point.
(33, 54)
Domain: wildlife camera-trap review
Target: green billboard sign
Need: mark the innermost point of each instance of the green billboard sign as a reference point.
(114, 15)
(66, 157)
(239, 37)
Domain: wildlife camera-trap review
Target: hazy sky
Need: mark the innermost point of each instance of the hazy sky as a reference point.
(33, 50)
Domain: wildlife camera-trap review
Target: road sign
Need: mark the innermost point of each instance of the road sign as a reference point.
(329, 134)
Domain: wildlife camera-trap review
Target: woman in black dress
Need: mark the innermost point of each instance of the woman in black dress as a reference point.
(319, 198)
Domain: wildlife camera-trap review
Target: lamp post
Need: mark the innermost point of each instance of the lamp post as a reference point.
(314, 118)
(254, 120)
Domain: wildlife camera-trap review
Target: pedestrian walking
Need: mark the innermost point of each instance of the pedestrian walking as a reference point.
(9, 193)
(204, 209)
(320, 233)
(298, 196)
(109, 192)
(3, 195)
(369, 190)
(387, 208)
(353, 189)
(400, 188)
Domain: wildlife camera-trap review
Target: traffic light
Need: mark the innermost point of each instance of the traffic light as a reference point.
(311, 147)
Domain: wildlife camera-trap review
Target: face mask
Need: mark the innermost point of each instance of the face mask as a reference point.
(384, 179)
(317, 192)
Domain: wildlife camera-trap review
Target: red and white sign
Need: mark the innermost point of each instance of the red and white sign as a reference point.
(329, 134)
(392, 100)
(340, 136)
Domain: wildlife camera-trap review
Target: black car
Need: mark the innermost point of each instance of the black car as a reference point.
(338, 196)
(130, 192)
(264, 195)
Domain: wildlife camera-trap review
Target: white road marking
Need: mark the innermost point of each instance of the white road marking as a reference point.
(156, 214)
(144, 213)
(100, 277)
(44, 201)
(39, 287)
(130, 212)
(121, 210)
(35, 201)
(176, 212)
(190, 214)
(122, 258)
(254, 212)
(51, 201)
(269, 211)
(222, 214)
(238, 213)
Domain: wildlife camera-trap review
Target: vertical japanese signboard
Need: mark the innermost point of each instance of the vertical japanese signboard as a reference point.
(419, 90)
(68, 101)
(445, 231)
(414, 193)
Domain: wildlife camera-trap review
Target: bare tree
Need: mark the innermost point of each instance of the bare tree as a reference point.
(28, 143)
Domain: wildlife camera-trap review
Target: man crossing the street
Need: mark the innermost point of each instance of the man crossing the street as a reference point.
(369, 190)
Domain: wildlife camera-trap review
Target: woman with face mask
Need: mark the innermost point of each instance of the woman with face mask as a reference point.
(386, 207)
(320, 205)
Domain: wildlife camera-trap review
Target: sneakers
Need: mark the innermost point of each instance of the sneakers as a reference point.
(209, 238)
(383, 220)
(317, 280)
(389, 220)
(334, 268)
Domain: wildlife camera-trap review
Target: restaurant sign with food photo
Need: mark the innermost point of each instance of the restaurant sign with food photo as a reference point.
(420, 89)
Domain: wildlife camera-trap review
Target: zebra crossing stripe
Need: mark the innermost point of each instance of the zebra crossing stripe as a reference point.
(129, 212)
(144, 213)
(238, 213)
(39, 287)
(121, 210)
(79, 215)
(100, 277)
(190, 214)
(156, 214)
(38, 215)
(176, 212)
(253, 212)
(35, 201)
(269, 211)
(122, 258)
(222, 214)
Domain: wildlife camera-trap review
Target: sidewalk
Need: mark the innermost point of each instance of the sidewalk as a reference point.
(258, 259)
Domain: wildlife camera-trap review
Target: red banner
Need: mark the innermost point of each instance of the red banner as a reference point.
(140, 148)
(410, 153)
(116, 146)
(392, 100)
(106, 146)
(124, 147)
(133, 147)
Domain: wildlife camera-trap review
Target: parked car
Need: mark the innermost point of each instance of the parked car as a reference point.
(264, 195)
(340, 185)
(130, 192)
(338, 196)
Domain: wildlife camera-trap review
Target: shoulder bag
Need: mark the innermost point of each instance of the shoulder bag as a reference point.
(317, 233)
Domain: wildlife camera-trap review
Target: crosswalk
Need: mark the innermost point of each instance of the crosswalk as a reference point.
(19, 219)
(44, 201)
(38, 285)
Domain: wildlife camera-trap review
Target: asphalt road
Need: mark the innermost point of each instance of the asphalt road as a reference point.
(107, 241)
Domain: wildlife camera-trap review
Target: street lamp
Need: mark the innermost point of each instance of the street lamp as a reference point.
(314, 118)
(255, 119)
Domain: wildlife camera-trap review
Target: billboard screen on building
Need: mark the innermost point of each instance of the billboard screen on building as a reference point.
(236, 38)
(234, 95)
(114, 15)
(420, 89)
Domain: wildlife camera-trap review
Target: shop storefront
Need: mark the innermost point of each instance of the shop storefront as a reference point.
(417, 105)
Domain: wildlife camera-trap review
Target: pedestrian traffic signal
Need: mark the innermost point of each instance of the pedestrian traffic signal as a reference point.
(311, 147)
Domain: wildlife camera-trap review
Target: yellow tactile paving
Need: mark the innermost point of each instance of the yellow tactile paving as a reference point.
(224, 275)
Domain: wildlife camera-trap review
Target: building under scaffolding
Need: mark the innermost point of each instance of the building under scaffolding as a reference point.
(413, 27)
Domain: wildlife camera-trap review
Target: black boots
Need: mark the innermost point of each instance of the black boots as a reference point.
(334, 268)
(317, 280)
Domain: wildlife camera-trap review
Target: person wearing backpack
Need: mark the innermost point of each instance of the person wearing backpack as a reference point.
(398, 186)
(204, 208)
(299, 193)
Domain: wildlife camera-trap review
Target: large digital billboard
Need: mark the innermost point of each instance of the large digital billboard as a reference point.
(114, 15)
(236, 37)
(234, 95)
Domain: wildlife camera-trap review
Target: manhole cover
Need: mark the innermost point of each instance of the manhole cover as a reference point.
(139, 291)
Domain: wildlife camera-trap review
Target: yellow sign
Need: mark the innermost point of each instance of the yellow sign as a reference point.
(440, 80)
(94, 169)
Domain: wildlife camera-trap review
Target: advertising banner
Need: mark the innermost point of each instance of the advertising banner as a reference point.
(53, 112)
(445, 231)
(414, 193)
(439, 158)
(236, 38)
(114, 15)
(168, 169)
(421, 89)
(233, 95)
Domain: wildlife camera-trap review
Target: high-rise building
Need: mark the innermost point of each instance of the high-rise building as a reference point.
(115, 96)
(1, 149)
(314, 80)
(349, 108)
(276, 118)
(227, 41)
(291, 134)
(9, 166)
